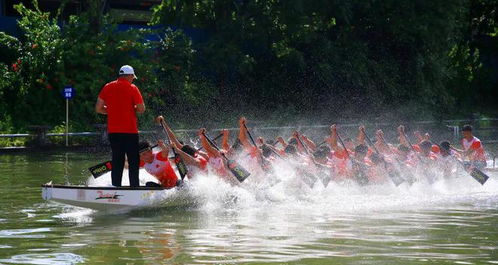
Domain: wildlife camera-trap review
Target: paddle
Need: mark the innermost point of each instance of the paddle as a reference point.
(239, 172)
(411, 146)
(402, 167)
(478, 175)
(100, 169)
(180, 165)
(264, 163)
(475, 173)
(320, 144)
(395, 177)
(326, 180)
(104, 167)
(431, 176)
(360, 177)
(215, 138)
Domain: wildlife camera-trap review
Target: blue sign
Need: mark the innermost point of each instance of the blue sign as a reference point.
(68, 92)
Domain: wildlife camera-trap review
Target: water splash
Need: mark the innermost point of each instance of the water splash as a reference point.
(286, 189)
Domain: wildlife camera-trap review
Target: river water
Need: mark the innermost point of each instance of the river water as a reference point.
(450, 222)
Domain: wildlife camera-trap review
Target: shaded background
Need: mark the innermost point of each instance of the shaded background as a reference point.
(274, 61)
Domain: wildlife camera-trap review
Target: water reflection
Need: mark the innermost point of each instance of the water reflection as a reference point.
(447, 223)
(46, 259)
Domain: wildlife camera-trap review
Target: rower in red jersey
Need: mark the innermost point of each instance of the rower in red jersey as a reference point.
(377, 171)
(472, 149)
(158, 164)
(195, 160)
(216, 162)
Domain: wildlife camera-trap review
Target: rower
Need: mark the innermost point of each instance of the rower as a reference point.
(253, 160)
(340, 157)
(216, 163)
(377, 172)
(269, 155)
(448, 159)
(472, 149)
(157, 164)
(426, 150)
(446, 152)
(195, 162)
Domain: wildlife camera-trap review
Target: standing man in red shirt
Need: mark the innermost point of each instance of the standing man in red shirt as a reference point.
(120, 100)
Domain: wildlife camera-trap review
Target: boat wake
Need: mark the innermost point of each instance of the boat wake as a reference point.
(285, 189)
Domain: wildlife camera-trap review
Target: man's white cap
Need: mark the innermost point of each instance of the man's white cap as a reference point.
(127, 70)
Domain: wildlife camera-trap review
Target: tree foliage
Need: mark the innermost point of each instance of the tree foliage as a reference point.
(316, 58)
(361, 56)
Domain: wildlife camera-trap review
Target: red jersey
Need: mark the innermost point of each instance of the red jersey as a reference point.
(217, 166)
(435, 149)
(475, 145)
(161, 168)
(203, 162)
(376, 174)
(194, 171)
(341, 164)
(120, 98)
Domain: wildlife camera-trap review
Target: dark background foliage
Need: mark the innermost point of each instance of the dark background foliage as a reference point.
(272, 60)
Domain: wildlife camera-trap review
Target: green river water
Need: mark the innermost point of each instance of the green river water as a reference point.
(449, 222)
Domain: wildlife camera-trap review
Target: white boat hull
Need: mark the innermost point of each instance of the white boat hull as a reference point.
(116, 198)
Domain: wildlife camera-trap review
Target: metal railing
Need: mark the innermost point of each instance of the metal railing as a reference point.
(442, 129)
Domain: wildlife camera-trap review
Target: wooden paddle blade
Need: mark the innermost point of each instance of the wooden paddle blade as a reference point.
(393, 174)
(359, 175)
(306, 177)
(309, 179)
(361, 179)
(326, 180)
(180, 165)
(239, 172)
(396, 178)
(323, 175)
(100, 169)
(478, 175)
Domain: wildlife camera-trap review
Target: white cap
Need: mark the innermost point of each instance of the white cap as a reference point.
(127, 70)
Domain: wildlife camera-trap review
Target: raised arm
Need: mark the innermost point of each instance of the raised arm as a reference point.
(171, 135)
(282, 142)
(164, 148)
(361, 135)
(189, 160)
(402, 136)
(300, 147)
(243, 134)
(308, 142)
(333, 138)
(207, 146)
(224, 142)
(381, 143)
(260, 141)
(418, 136)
